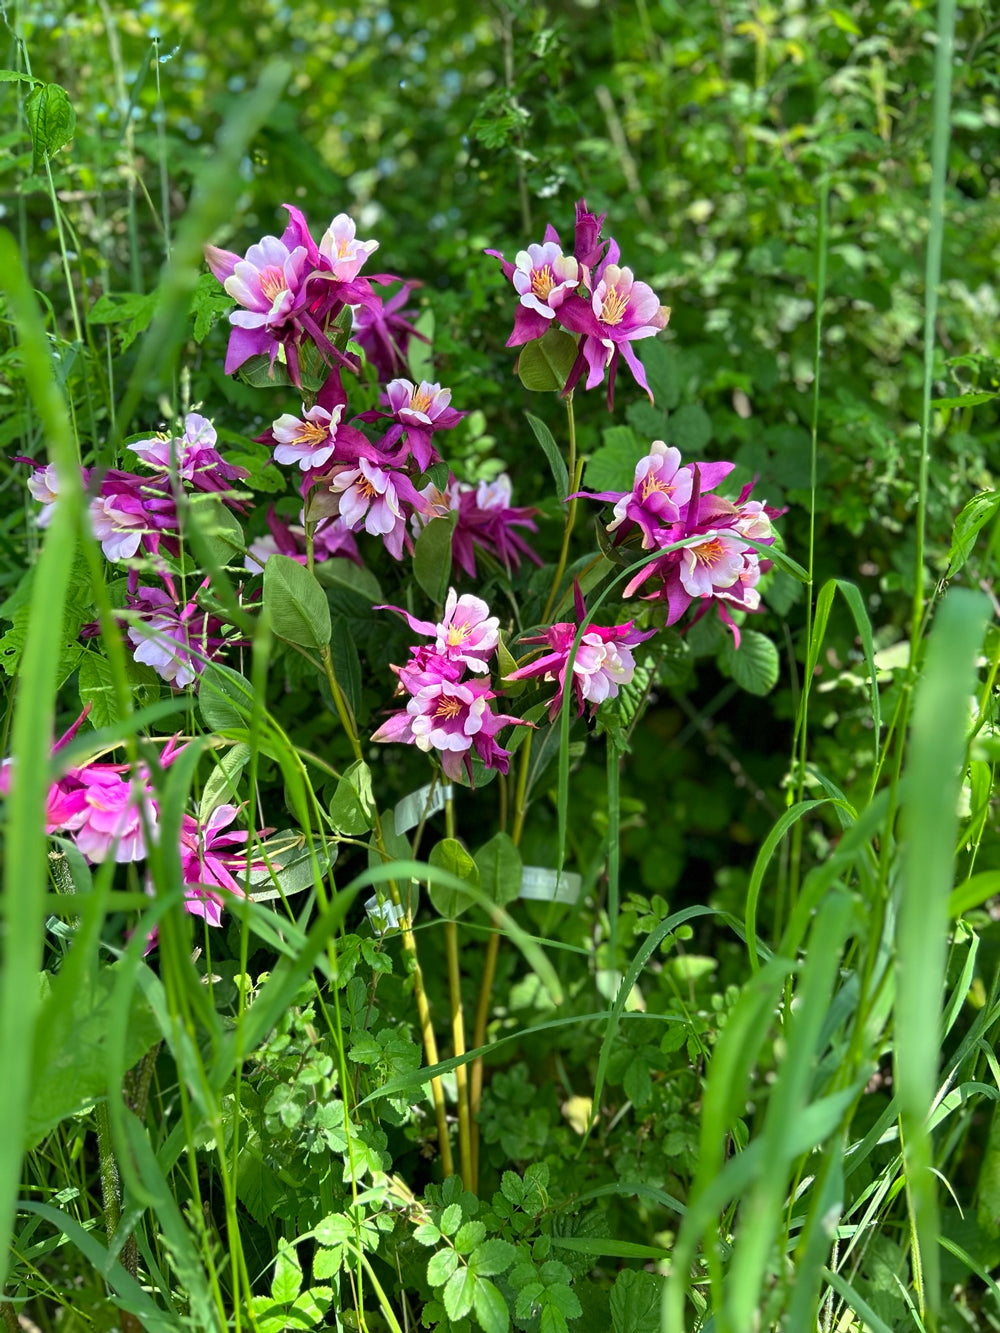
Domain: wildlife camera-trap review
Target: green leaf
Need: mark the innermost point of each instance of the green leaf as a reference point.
(70, 1053)
(543, 366)
(97, 688)
(754, 665)
(427, 1234)
(287, 1281)
(208, 302)
(689, 428)
(490, 1307)
(493, 1256)
(347, 665)
(432, 557)
(296, 603)
(420, 351)
(979, 511)
(459, 1293)
(635, 1302)
(468, 1236)
(352, 809)
(133, 311)
(220, 786)
(553, 1320)
(612, 467)
(552, 452)
(225, 698)
(499, 865)
(512, 1187)
(220, 529)
(51, 120)
(450, 855)
(451, 1219)
(649, 422)
(662, 372)
(340, 573)
(442, 1264)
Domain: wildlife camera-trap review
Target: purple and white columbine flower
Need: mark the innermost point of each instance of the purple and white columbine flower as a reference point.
(342, 253)
(452, 718)
(309, 440)
(602, 665)
(193, 455)
(44, 487)
(660, 490)
(176, 643)
(465, 634)
(269, 282)
(620, 311)
(486, 518)
(368, 497)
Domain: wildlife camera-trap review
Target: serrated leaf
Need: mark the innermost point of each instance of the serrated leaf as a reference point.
(543, 366)
(552, 452)
(459, 1293)
(493, 1256)
(451, 1219)
(490, 1307)
(512, 1187)
(662, 373)
(427, 1234)
(552, 1320)
(296, 603)
(450, 855)
(51, 121)
(500, 867)
(612, 467)
(468, 1236)
(287, 1281)
(97, 687)
(432, 557)
(441, 1265)
(131, 311)
(689, 428)
(755, 664)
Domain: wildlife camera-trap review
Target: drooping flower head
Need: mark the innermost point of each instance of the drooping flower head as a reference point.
(383, 329)
(176, 641)
(343, 252)
(454, 718)
(602, 665)
(193, 456)
(486, 519)
(108, 814)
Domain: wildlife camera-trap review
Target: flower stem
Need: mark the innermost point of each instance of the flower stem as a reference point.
(409, 940)
(574, 470)
(458, 1040)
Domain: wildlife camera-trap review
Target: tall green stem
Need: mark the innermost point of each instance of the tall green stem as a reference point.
(574, 469)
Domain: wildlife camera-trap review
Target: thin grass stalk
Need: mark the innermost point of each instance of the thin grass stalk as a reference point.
(797, 791)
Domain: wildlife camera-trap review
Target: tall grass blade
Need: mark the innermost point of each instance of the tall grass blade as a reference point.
(24, 876)
(929, 821)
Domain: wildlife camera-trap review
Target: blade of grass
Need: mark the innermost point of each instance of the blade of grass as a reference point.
(25, 870)
(929, 821)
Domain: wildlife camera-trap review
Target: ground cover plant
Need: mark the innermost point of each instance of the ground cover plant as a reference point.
(498, 822)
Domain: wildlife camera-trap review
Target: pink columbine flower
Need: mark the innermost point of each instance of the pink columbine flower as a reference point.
(119, 523)
(452, 718)
(309, 440)
(177, 642)
(660, 491)
(368, 497)
(418, 410)
(466, 633)
(620, 311)
(106, 813)
(44, 486)
(344, 255)
(192, 455)
(269, 283)
(207, 864)
(602, 665)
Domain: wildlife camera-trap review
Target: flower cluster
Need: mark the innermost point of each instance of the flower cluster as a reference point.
(590, 295)
(602, 665)
(485, 518)
(672, 503)
(447, 710)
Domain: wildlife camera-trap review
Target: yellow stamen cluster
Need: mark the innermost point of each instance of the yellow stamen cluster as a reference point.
(420, 399)
(448, 708)
(709, 552)
(311, 434)
(613, 306)
(272, 281)
(542, 281)
(457, 634)
(651, 484)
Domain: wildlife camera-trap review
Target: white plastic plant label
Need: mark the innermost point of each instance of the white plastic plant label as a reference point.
(549, 886)
(421, 805)
(383, 914)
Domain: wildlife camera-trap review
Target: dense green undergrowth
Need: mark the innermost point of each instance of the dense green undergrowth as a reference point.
(746, 1077)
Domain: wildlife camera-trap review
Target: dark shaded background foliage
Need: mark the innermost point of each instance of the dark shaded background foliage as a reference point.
(703, 129)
